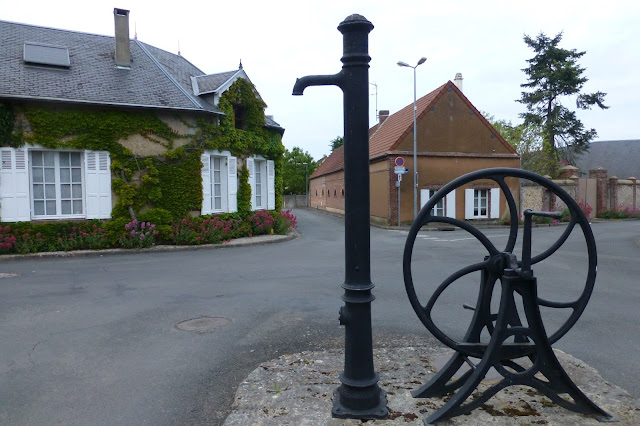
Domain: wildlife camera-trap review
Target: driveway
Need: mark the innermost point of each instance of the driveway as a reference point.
(94, 339)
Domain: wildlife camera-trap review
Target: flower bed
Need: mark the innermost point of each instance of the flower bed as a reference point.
(28, 237)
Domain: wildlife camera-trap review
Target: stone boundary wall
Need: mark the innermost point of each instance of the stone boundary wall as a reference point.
(294, 201)
(611, 193)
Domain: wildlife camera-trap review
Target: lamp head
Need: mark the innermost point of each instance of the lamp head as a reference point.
(422, 61)
(404, 64)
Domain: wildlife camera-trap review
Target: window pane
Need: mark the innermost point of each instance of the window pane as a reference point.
(51, 207)
(76, 175)
(77, 207)
(216, 176)
(49, 175)
(65, 192)
(77, 191)
(37, 174)
(75, 159)
(38, 208)
(50, 191)
(38, 192)
(49, 158)
(217, 190)
(36, 158)
(218, 205)
(66, 207)
(64, 159)
(65, 175)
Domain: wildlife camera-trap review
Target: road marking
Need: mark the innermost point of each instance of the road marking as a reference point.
(457, 239)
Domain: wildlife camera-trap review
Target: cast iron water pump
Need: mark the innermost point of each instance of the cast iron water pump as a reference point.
(359, 395)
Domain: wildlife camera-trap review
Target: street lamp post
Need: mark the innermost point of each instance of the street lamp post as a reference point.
(306, 185)
(415, 136)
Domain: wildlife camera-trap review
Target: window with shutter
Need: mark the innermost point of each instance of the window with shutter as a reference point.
(97, 175)
(219, 182)
(477, 203)
(14, 185)
(271, 191)
(233, 184)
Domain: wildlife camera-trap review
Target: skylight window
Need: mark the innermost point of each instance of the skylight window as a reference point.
(46, 54)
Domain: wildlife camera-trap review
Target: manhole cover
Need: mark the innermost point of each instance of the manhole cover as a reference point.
(7, 275)
(203, 324)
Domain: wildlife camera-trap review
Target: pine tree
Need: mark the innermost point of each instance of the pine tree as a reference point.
(336, 143)
(553, 74)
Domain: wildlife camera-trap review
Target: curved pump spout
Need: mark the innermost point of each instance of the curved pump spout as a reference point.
(316, 80)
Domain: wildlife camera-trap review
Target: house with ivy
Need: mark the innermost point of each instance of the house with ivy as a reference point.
(99, 127)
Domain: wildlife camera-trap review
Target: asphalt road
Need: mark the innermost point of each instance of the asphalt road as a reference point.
(93, 339)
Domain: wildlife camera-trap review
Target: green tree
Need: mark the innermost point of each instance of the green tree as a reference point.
(554, 74)
(293, 171)
(336, 143)
(527, 141)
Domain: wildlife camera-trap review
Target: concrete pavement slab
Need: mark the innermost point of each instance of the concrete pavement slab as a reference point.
(297, 390)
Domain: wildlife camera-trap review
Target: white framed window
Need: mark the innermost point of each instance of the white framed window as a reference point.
(445, 207)
(482, 203)
(37, 183)
(262, 181)
(219, 182)
(56, 184)
(438, 209)
(259, 170)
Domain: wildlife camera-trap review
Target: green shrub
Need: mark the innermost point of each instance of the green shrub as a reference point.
(156, 216)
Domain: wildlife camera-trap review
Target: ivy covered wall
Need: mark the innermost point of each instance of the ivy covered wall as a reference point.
(170, 181)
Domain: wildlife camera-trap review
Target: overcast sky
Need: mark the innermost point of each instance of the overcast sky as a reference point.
(281, 40)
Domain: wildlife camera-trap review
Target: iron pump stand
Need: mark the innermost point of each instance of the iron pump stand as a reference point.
(522, 354)
(359, 395)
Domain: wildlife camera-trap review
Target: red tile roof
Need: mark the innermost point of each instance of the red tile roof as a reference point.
(385, 137)
(333, 163)
(399, 124)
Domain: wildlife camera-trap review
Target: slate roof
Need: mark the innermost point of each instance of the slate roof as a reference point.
(386, 136)
(157, 78)
(621, 158)
(212, 82)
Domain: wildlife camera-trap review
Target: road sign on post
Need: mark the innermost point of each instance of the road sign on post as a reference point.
(399, 161)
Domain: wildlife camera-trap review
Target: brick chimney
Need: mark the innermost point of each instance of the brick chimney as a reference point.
(458, 80)
(123, 49)
(383, 115)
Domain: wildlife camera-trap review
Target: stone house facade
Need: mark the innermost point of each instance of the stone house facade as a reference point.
(93, 127)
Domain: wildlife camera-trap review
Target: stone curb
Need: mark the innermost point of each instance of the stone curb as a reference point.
(297, 390)
(239, 242)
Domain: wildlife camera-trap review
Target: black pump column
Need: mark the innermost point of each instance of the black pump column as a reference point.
(359, 395)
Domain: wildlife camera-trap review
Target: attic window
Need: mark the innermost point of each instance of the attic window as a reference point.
(239, 114)
(46, 54)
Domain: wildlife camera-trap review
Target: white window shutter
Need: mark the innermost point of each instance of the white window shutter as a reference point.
(252, 181)
(468, 203)
(206, 184)
(450, 201)
(495, 203)
(97, 172)
(232, 183)
(424, 197)
(15, 204)
(271, 191)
